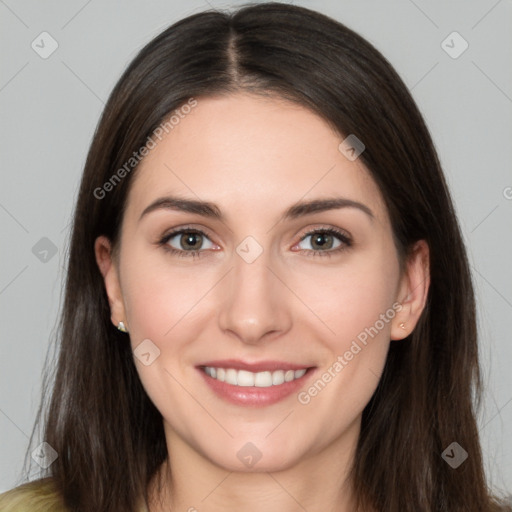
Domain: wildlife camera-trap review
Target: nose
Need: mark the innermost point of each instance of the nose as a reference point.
(256, 304)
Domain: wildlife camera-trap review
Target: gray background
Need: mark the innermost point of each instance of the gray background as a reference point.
(50, 107)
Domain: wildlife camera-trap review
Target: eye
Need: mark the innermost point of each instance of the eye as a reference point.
(187, 242)
(325, 240)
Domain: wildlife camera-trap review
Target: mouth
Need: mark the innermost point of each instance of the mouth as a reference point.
(244, 378)
(256, 384)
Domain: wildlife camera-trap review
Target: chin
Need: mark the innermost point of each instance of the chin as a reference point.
(255, 456)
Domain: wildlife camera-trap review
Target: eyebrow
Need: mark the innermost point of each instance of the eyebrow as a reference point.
(211, 210)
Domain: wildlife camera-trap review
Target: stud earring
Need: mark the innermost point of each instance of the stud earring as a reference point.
(402, 325)
(121, 327)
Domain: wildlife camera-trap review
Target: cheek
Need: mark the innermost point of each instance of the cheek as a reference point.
(171, 308)
(162, 307)
(357, 305)
(352, 298)
(159, 301)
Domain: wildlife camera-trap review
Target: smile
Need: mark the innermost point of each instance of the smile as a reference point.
(246, 378)
(254, 384)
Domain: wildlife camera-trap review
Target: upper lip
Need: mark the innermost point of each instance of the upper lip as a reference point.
(254, 367)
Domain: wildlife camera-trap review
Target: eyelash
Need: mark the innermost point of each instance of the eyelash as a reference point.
(344, 238)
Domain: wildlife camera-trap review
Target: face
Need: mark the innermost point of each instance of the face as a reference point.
(260, 327)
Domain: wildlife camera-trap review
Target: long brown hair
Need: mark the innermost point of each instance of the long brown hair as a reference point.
(107, 433)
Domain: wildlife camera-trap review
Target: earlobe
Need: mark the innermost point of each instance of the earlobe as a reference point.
(413, 291)
(109, 271)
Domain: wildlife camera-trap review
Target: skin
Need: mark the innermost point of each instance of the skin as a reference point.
(254, 157)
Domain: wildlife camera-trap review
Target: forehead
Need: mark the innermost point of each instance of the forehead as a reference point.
(251, 154)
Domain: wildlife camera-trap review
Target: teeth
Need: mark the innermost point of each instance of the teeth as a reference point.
(245, 378)
(277, 378)
(289, 375)
(230, 377)
(263, 379)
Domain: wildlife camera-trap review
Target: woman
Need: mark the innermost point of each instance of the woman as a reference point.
(263, 217)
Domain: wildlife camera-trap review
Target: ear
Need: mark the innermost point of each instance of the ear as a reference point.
(108, 268)
(413, 291)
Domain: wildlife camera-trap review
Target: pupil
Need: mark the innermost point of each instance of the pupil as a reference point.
(189, 240)
(319, 240)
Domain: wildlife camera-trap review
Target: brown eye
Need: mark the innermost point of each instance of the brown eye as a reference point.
(323, 240)
(187, 241)
(190, 241)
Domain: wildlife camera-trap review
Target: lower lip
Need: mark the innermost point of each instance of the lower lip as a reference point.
(251, 395)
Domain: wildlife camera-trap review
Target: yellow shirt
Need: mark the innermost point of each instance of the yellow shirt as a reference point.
(37, 496)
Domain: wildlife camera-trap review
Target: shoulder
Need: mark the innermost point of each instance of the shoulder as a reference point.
(40, 495)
